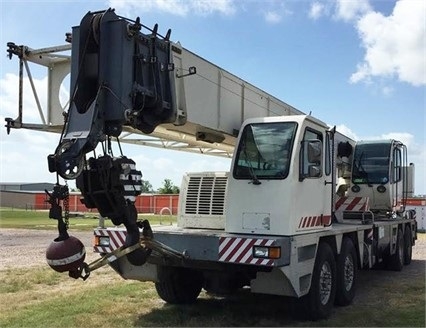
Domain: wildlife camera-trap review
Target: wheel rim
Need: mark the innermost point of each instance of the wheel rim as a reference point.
(348, 272)
(325, 283)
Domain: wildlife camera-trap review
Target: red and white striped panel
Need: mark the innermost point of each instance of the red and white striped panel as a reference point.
(240, 250)
(356, 204)
(116, 240)
(314, 221)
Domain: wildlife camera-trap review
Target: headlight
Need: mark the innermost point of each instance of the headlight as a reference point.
(355, 188)
(381, 188)
(101, 241)
(265, 252)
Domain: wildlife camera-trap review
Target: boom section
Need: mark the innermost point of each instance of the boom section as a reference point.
(131, 83)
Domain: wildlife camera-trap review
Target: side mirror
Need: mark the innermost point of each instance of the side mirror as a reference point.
(314, 151)
(310, 159)
(314, 171)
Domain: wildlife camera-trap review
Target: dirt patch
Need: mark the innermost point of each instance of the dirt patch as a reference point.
(27, 248)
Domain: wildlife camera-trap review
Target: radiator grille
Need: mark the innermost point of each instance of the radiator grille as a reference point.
(206, 195)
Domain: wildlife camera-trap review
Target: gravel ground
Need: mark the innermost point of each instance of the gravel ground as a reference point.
(25, 247)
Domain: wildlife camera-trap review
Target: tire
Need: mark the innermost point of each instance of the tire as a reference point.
(408, 246)
(179, 285)
(347, 273)
(320, 299)
(396, 261)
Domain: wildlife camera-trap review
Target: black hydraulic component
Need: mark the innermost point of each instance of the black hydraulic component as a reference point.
(14, 49)
(119, 76)
(9, 124)
(111, 184)
(59, 194)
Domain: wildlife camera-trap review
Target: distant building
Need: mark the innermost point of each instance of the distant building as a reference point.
(32, 196)
(26, 186)
(24, 194)
(419, 205)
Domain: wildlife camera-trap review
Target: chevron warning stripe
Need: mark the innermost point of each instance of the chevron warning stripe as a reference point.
(240, 250)
(116, 239)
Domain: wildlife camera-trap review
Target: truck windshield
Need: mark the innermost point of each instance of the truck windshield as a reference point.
(264, 151)
(371, 163)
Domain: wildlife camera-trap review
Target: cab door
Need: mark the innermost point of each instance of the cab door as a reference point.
(313, 189)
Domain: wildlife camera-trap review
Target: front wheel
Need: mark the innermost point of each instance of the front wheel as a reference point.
(179, 285)
(320, 299)
(396, 262)
(346, 273)
(408, 246)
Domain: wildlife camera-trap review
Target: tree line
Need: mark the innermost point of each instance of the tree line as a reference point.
(167, 188)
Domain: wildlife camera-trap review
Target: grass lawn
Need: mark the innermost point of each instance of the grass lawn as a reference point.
(40, 297)
(14, 218)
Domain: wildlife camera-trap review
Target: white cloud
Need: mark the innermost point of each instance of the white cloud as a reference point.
(23, 156)
(394, 45)
(23, 153)
(176, 7)
(273, 17)
(387, 91)
(317, 10)
(349, 10)
(9, 90)
(9, 98)
(343, 129)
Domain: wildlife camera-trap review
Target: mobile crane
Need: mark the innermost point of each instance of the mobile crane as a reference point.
(302, 208)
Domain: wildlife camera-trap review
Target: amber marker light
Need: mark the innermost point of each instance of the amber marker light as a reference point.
(101, 241)
(266, 252)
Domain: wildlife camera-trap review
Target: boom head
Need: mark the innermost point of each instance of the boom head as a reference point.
(119, 76)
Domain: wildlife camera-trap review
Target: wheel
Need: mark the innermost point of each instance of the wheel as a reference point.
(347, 272)
(320, 299)
(408, 246)
(396, 261)
(179, 285)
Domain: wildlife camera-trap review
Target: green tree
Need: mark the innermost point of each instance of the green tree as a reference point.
(168, 187)
(147, 187)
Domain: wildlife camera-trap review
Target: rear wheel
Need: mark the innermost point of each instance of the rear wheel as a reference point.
(396, 261)
(408, 246)
(179, 285)
(346, 273)
(320, 299)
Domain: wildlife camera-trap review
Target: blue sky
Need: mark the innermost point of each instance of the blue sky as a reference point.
(359, 65)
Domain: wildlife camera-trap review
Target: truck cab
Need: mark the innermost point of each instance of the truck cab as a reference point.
(279, 164)
(380, 173)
